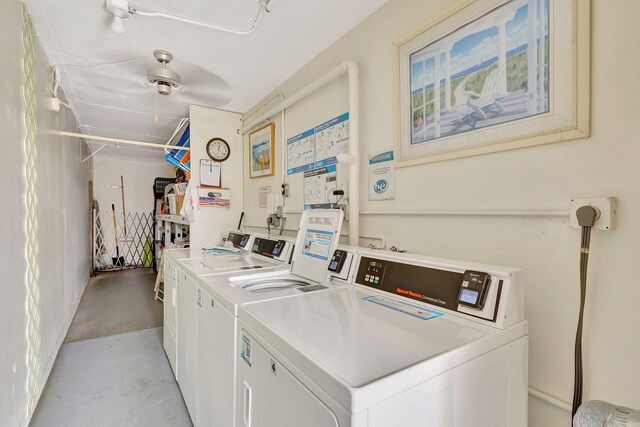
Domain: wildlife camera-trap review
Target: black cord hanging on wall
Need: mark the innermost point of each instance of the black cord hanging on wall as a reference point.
(586, 218)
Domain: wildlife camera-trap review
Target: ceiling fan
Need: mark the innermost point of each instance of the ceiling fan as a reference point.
(137, 75)
(131, 79)
(164, 79)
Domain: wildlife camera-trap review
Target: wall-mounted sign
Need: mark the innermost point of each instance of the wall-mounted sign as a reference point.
(382, 185)
(319, 185)
(301, 152)
(319, 146)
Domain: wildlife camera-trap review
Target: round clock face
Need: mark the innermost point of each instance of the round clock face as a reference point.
(218, 149)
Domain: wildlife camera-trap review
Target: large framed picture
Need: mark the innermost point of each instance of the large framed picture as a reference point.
(261, 152)
(493, 75)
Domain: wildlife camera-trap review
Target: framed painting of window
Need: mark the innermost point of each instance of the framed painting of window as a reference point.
(493, 75)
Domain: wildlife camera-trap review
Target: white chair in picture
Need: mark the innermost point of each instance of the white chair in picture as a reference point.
(478, 104)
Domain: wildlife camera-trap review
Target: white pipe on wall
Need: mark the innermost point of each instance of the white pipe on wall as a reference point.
(303, 93)
(117, 140)
(469, 213)
(550, 399)
(382, 239)
(256, 108)
(351, 68)
(354, 151)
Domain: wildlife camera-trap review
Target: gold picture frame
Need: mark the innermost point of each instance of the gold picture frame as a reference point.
(262, 152)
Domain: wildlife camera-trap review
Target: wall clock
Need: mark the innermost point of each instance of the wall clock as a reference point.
(218, 149)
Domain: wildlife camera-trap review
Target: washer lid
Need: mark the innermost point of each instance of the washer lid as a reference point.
(226, 263)
(318, 237)
(361, 346)
(194, 252)
(247, 287)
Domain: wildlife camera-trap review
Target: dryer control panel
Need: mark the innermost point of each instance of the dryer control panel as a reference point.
(473, 293)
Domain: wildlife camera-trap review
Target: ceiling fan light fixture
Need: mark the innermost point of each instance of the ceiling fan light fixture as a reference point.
(117, 25)
(164, 88)
(164, 79)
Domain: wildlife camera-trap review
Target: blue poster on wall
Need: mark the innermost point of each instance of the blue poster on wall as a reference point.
(332, 138)
(319, 185)
(301, 153)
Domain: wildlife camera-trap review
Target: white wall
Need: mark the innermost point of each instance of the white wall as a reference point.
(539, 178)
(213, 223)
(138, 180)
(13, 372)
(62, 191)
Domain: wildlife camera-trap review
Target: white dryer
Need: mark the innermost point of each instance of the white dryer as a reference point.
(222, 294)
(416, 342)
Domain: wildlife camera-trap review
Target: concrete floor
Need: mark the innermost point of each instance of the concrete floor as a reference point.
(115, 303)
(116, 379)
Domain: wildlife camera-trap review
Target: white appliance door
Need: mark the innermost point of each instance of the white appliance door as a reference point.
(169, 302)
(268, 395)
(216, 345)
(170, 277)
(187, 341)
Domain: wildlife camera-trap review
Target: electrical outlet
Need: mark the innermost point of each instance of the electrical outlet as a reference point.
(605, 208)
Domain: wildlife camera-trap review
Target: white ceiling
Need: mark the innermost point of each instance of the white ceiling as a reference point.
(220, 70)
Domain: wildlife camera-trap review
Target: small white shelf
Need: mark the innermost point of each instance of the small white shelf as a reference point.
(178, 219)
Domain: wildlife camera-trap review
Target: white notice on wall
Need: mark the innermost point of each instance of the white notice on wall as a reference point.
(301, 152)
(332, 138)
(210, 173)
(263, 196)
(382, 176)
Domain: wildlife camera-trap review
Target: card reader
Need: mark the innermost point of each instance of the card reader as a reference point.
(474, 289)
(337, 260)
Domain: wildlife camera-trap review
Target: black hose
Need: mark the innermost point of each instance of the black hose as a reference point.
(578, 377)
(241, 218)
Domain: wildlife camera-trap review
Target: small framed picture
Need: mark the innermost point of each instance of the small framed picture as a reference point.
(261, 152)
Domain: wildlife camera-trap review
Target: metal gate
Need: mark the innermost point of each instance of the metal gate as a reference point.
(121, 242)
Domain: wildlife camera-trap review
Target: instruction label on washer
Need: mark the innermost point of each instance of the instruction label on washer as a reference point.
(317, 244)
(245, 353)
(410, 309)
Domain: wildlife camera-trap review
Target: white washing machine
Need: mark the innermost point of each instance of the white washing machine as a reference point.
(416, 342)
(221, 295)
(182, 296)
(266, 253)
(236, 242)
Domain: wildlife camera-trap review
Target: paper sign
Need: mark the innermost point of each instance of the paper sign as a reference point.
(332, 138)
(317, 244)
(210, 175)
(382, 176)
(263, 196)
(301, 152)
